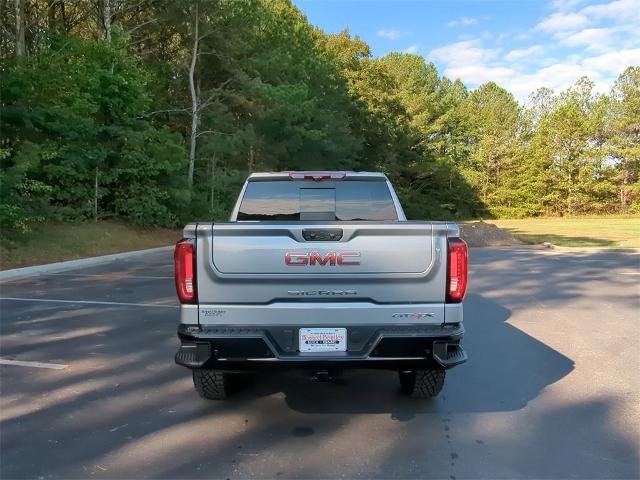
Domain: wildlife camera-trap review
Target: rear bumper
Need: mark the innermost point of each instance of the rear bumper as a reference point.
(396, 347)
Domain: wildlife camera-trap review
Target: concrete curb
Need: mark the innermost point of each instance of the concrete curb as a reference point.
(561, 249)
(36, 270)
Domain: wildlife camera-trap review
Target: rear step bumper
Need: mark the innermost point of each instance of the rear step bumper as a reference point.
(408, 347)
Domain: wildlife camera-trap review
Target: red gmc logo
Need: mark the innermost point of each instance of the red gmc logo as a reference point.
(315, 258)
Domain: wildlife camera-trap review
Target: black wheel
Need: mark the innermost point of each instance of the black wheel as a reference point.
(422, 383)
(212, 384)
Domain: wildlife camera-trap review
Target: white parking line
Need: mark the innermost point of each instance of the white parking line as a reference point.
(19, 363)
(88, 302)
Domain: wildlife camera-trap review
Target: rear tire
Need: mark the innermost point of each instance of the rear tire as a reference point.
(422, 383)
(211, 384)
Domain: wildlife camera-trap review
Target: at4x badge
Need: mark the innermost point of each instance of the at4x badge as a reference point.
(412, 315)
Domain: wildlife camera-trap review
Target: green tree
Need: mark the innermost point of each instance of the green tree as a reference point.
(104, 95)
(85, 139)
(566, 151)
(494, 120)
(623, 138)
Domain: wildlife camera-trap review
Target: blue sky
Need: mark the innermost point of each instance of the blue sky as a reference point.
(522, 45)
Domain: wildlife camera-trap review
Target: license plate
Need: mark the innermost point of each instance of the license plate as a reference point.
(323, 339)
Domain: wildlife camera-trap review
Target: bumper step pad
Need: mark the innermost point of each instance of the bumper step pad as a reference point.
(449, 355)
(193, 354)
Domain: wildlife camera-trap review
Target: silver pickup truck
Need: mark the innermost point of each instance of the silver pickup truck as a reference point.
(320, 270)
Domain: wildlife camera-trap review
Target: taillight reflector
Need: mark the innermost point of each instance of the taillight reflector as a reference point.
(457, 267)
(184, 258)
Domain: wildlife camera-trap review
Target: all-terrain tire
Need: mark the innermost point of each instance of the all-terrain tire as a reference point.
(211, 384)
(422, 383)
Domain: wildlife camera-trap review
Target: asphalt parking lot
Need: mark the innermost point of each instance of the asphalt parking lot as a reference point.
(552, 388)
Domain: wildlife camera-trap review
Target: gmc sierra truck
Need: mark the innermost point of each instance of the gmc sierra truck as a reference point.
(320, 270)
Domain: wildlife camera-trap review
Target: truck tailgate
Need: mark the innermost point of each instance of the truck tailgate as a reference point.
(254, 249)
(270, 262)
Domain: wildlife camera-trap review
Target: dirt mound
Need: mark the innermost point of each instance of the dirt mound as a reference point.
(481, 234)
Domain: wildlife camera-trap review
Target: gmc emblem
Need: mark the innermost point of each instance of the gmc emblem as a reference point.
(315, 258)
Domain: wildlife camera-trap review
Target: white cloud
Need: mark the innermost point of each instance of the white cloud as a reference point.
(479, 74)
(601, 69)
(600, 27)
(619, 10)
(519, 53)
(598, 41)
(389, 33)
(462, 22)
(467, 52)
(411, 49)
(563, 21)
(590, 38)
(475, 65)
(613, 62)
(564, 4)
(470, 62)
(559, 22)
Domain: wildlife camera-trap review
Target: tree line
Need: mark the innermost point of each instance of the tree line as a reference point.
(154, 111)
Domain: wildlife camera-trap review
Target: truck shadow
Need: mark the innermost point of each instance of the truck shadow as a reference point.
(506, 369)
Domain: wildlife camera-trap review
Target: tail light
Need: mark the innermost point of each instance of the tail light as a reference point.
(317, 176)
(184, 258)
(457, 266)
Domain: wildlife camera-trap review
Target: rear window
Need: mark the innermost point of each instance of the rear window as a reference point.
(326, 201)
